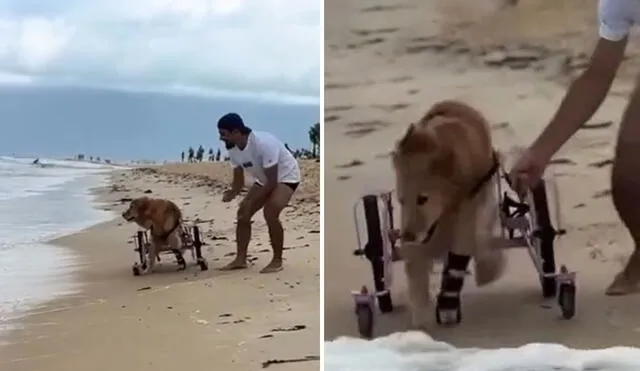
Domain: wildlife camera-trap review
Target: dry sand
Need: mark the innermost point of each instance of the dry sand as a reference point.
(188, 320)
(386, 62)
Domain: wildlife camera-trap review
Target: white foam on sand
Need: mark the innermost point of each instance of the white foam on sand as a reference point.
(416, 351)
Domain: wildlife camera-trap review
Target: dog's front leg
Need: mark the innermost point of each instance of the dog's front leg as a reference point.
(489, 256)
(152, 255)
(417, 266)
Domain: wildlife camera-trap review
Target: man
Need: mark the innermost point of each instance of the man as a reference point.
(584, 97)
(277, 175)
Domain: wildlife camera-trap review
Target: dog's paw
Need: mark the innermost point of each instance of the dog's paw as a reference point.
(145, 269)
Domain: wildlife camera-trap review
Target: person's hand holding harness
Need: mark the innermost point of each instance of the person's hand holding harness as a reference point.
(527, 172)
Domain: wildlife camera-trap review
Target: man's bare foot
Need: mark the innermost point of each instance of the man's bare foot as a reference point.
(273, 267)
(234, 265)
(621, 286)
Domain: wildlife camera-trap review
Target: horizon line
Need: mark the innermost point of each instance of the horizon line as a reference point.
(267, 96)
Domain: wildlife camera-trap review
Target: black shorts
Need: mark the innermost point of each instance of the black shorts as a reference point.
(292, 185)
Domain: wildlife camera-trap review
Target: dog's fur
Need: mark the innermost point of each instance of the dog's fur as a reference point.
(163, 219)
(439, 160)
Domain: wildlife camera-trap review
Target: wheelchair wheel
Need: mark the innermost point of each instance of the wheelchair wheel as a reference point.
(141, 246)
(197, 247)
(384, 302)
(196, 237)
(374, 250)
(567, 300)
(364, 316)
(544, 234)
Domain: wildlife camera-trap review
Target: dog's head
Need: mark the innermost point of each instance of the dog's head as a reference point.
(425, 179)
(437, 162)
(138, 210)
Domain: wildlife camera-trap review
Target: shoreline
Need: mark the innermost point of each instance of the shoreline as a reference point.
(68, 261)
(133, 310)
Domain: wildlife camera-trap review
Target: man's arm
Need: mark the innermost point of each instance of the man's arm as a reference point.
(238, 179)
(584, 97)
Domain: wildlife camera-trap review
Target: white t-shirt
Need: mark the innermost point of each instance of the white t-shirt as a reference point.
(616, 18)
(264, 150)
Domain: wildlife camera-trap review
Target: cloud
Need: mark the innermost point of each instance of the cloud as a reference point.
(268, 48)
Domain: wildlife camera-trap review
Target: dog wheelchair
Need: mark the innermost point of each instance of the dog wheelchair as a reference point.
(191, 240)
(526, 223)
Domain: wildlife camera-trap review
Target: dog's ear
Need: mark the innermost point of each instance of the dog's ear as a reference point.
(417, 139)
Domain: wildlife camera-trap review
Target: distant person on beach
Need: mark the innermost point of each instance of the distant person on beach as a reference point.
(582, 100)
(277, 176)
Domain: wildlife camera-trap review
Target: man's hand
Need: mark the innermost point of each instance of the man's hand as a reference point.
(527, 171)
(229, 195)
(236, 185)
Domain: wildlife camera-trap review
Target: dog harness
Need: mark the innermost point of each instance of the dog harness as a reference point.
(164, 236)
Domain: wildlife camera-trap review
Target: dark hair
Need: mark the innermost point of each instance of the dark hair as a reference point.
(232, 121)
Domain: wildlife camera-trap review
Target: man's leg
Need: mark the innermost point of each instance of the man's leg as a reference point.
(625, 191)
(248, 207)
(277, 201)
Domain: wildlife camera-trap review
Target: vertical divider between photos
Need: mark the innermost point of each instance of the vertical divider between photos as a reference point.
(322, 149)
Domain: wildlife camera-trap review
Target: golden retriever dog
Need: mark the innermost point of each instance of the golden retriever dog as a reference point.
(163, 219)
(446, 178)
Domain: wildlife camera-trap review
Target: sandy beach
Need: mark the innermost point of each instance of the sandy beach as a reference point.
(181, 320)
(386, 63)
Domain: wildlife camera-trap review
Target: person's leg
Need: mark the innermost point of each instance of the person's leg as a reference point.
(248, 207)
(625, 191)
(277, 201)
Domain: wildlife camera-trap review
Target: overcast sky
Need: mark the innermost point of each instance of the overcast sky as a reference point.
(205, 47)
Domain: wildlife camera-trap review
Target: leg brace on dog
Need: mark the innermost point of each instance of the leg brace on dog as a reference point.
(452, 280)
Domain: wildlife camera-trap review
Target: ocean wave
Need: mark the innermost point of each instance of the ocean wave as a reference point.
(58, 164)
(416, 351)
(20, 178)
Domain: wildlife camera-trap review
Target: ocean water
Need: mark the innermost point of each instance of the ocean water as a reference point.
(121, 125)
(416, 351)
(37, 204)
